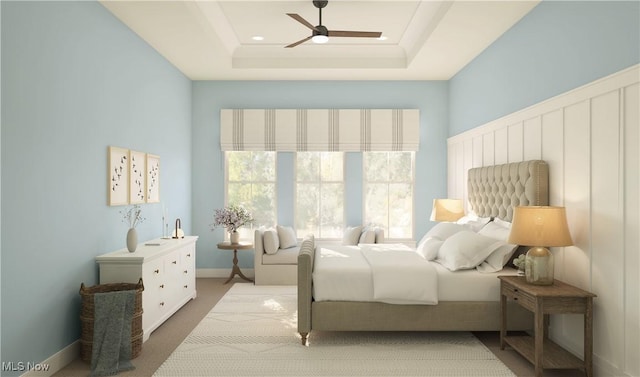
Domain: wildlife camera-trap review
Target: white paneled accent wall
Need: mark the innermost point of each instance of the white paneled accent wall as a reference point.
(590, 138)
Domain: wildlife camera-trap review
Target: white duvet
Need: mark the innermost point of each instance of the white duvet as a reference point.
(390, 273)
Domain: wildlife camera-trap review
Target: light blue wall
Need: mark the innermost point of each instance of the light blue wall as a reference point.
(74, 81)
(208, 161)
(558, 46)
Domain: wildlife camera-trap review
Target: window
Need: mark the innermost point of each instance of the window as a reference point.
(251, 183)
(388, 192)
(319, 204)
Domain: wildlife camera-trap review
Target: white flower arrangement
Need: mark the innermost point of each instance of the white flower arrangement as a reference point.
(132, 216)
(231, 218)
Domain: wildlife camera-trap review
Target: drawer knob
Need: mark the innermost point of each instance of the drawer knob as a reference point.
(185, 271)
(186, 286)
(175, 262)
(162, 303)
(161, 285)
(189, 255)
(156, 271)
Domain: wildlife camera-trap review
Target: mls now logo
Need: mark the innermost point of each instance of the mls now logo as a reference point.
(22, 366)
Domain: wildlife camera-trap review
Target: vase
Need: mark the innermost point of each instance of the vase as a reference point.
(132, 240)
(234, 237)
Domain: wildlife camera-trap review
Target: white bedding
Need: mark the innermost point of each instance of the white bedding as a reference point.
(342, 273)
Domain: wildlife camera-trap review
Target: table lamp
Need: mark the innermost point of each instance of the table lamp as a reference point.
(539, 227)
(447, 210)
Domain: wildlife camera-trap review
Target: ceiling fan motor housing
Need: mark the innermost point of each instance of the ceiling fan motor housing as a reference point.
(320, 30)
(320, 3)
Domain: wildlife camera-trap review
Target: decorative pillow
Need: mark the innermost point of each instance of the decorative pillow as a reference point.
(270, 241)
(428, 247)
(287, 237)
(368, 236)
(351, 235)
(443, 231)
(473, 223)
(466, 250)
(502, 223)
(379, 235)
(498, 259)
(495, 231)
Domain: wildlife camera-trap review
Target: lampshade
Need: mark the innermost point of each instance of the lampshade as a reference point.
(539, 227)
(447, 210)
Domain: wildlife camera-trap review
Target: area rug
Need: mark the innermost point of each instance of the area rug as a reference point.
(252, 332)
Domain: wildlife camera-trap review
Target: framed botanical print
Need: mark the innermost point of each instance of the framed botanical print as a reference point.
(153, 178)
(118, 177)
(137, 177)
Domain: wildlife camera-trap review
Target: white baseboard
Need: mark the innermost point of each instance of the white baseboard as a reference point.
(56, 362)
(221, 272)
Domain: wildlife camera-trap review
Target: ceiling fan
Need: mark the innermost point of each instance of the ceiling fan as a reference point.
(320, 34)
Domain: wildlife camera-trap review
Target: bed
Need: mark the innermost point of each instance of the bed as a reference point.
(493, 191)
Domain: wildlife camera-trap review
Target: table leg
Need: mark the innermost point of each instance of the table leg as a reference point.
(539, 333)
(235, 270)
(588, 338)
(503, 323)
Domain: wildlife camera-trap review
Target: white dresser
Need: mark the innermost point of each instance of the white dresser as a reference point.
(168, 271)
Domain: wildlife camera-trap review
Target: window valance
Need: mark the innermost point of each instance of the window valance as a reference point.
(345, 130)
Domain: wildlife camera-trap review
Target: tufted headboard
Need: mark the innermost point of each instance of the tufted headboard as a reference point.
(495, 190)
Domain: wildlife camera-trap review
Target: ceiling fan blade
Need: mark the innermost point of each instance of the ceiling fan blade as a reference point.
(298, 42)
(301, 20)
(355, 34)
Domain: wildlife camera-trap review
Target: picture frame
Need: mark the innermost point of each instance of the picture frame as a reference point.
(137, 177)
(118, 176)
(153, 178)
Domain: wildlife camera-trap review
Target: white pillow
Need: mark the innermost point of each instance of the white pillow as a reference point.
(501, 222)
(495, 231)
(368, 236)
(466, 250)
(270, 241)
(443, 231)
(287, 237)
(379, 235)
(473, 223)
(351, 235)
(498, 259)
(428, 247)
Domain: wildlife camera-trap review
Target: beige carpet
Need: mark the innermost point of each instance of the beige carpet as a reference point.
(252, 332)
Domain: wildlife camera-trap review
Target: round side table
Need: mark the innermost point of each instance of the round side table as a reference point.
(235, 247)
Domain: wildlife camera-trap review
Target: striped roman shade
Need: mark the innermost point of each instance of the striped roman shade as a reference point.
(347, 130)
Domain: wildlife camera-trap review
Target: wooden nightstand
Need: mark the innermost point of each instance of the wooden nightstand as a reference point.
(559, 298)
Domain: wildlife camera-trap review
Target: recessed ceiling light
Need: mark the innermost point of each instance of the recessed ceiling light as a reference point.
(257, 38)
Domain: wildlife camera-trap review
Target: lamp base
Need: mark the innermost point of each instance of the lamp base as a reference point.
(539, 266)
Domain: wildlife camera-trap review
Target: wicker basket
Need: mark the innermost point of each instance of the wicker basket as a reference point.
(87, 316)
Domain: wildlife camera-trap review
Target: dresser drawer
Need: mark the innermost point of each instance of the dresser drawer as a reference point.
(524, 299)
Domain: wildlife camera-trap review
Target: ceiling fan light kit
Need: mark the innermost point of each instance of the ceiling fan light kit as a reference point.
(320, 34)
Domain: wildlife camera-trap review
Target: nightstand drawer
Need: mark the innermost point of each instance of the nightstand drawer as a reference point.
(523, 298)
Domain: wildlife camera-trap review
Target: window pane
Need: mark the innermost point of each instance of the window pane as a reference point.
(307, 209)
(400, 169)
(319, 194)
(251, 184)
(376, 166)
(332, 166)
(388, 190)
(307, 166)
(332, 210)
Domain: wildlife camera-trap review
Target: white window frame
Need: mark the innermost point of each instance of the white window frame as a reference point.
(344, 192)
(413, 196)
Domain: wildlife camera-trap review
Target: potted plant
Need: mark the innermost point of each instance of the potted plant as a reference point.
(231, 218)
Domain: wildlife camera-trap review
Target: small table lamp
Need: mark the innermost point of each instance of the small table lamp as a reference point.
(447, 210)
(540, 227)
